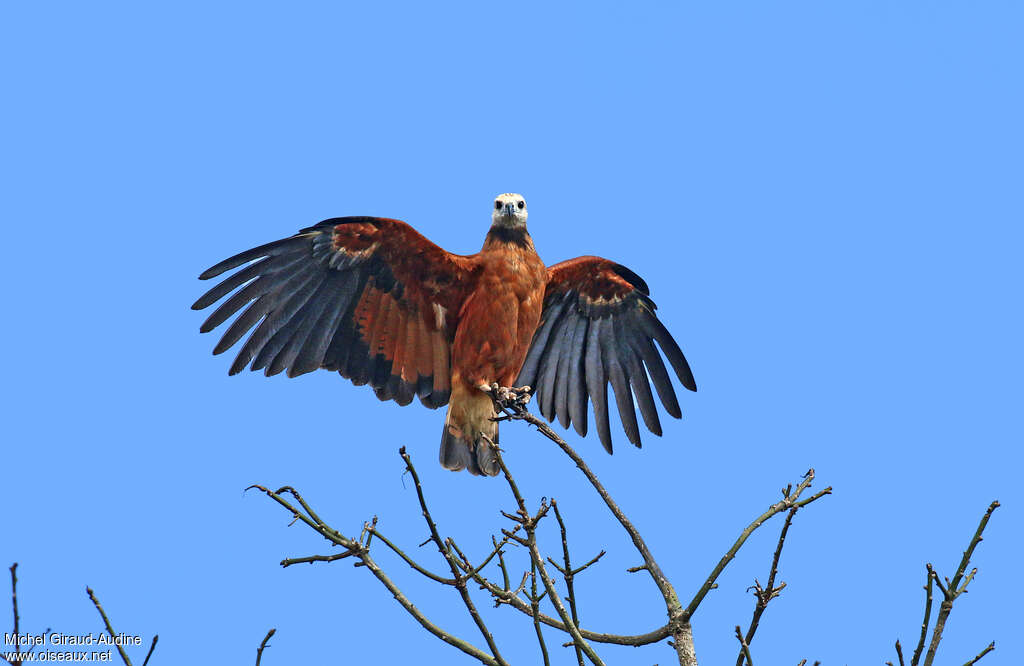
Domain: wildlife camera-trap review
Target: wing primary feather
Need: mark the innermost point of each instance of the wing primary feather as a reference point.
(548, 367)
(311, 355)
(267, 250)
(659, 374)
(283, 322)
(636, 375)
(528, 373)
(229, 284)
(671, 350)
(269, 308)
(566, 357)
(338, 351)
(249, 318)
(264, 306)
(597, 385)
(251, 291)
(577, 398)
(307, 317)
(267, 266)
(620, 383)
(245, 321)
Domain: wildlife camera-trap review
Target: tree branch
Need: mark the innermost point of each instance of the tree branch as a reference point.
(991, 646)
(530, 527)
(954, 588)
(744, 648)
(152, 646)
(460, 580)
(263, 646)
(789, 500)
(361, 552)
(535, 605)
(567, 574)
(927, 618)
(513, 409)
(110, 629)
(765, 595)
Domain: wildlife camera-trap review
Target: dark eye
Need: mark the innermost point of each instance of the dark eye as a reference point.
(522, 205)
(497, 205)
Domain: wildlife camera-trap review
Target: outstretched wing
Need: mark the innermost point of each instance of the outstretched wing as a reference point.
(368, 297)
(599, 326)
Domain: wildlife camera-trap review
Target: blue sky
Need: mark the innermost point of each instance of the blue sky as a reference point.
(823, 197)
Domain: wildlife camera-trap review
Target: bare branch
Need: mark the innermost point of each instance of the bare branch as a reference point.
(535, 605)
(927, 617)
(789, 501)
(460, 580)
(17, 618)
(766, 594)
(310, 559)
(309, 517)
(515, 410)
(408, 560)
(991, 646)
(954, 588)
(744, 648)
(567, 575)
(110, 629)
(529, 526)
(263, 646)
(152, 646)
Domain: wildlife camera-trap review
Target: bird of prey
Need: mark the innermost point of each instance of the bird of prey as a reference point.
(376, 301)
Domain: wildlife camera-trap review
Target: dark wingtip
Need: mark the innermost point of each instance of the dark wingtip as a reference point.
(632, 278)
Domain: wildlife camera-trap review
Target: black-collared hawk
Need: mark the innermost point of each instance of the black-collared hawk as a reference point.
(374, 300)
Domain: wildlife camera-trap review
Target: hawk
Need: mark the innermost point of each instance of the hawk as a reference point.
(376, 301)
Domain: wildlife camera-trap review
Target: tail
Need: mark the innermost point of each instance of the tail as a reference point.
(468, 433)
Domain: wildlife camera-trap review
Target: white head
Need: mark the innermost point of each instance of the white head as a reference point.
(509, 211)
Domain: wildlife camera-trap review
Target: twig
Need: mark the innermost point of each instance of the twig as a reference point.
(991, 646)
(678, 619)
(899, 653)
(309, 517)
(744, 648)
(766, 594)
(408, 560)
(789, 501)
(954, 588)
(152, 646)
(263, 645)
(529, 526)
(567, 574)
(535, 604)
(106, 622)
(310, 559)
(17, 618)
(927, 618)
(460, 580)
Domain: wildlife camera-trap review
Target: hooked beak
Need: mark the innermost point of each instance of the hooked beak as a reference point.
(510, 209)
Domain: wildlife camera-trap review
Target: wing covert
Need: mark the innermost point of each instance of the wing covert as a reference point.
(598, 328)
(368, 297)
